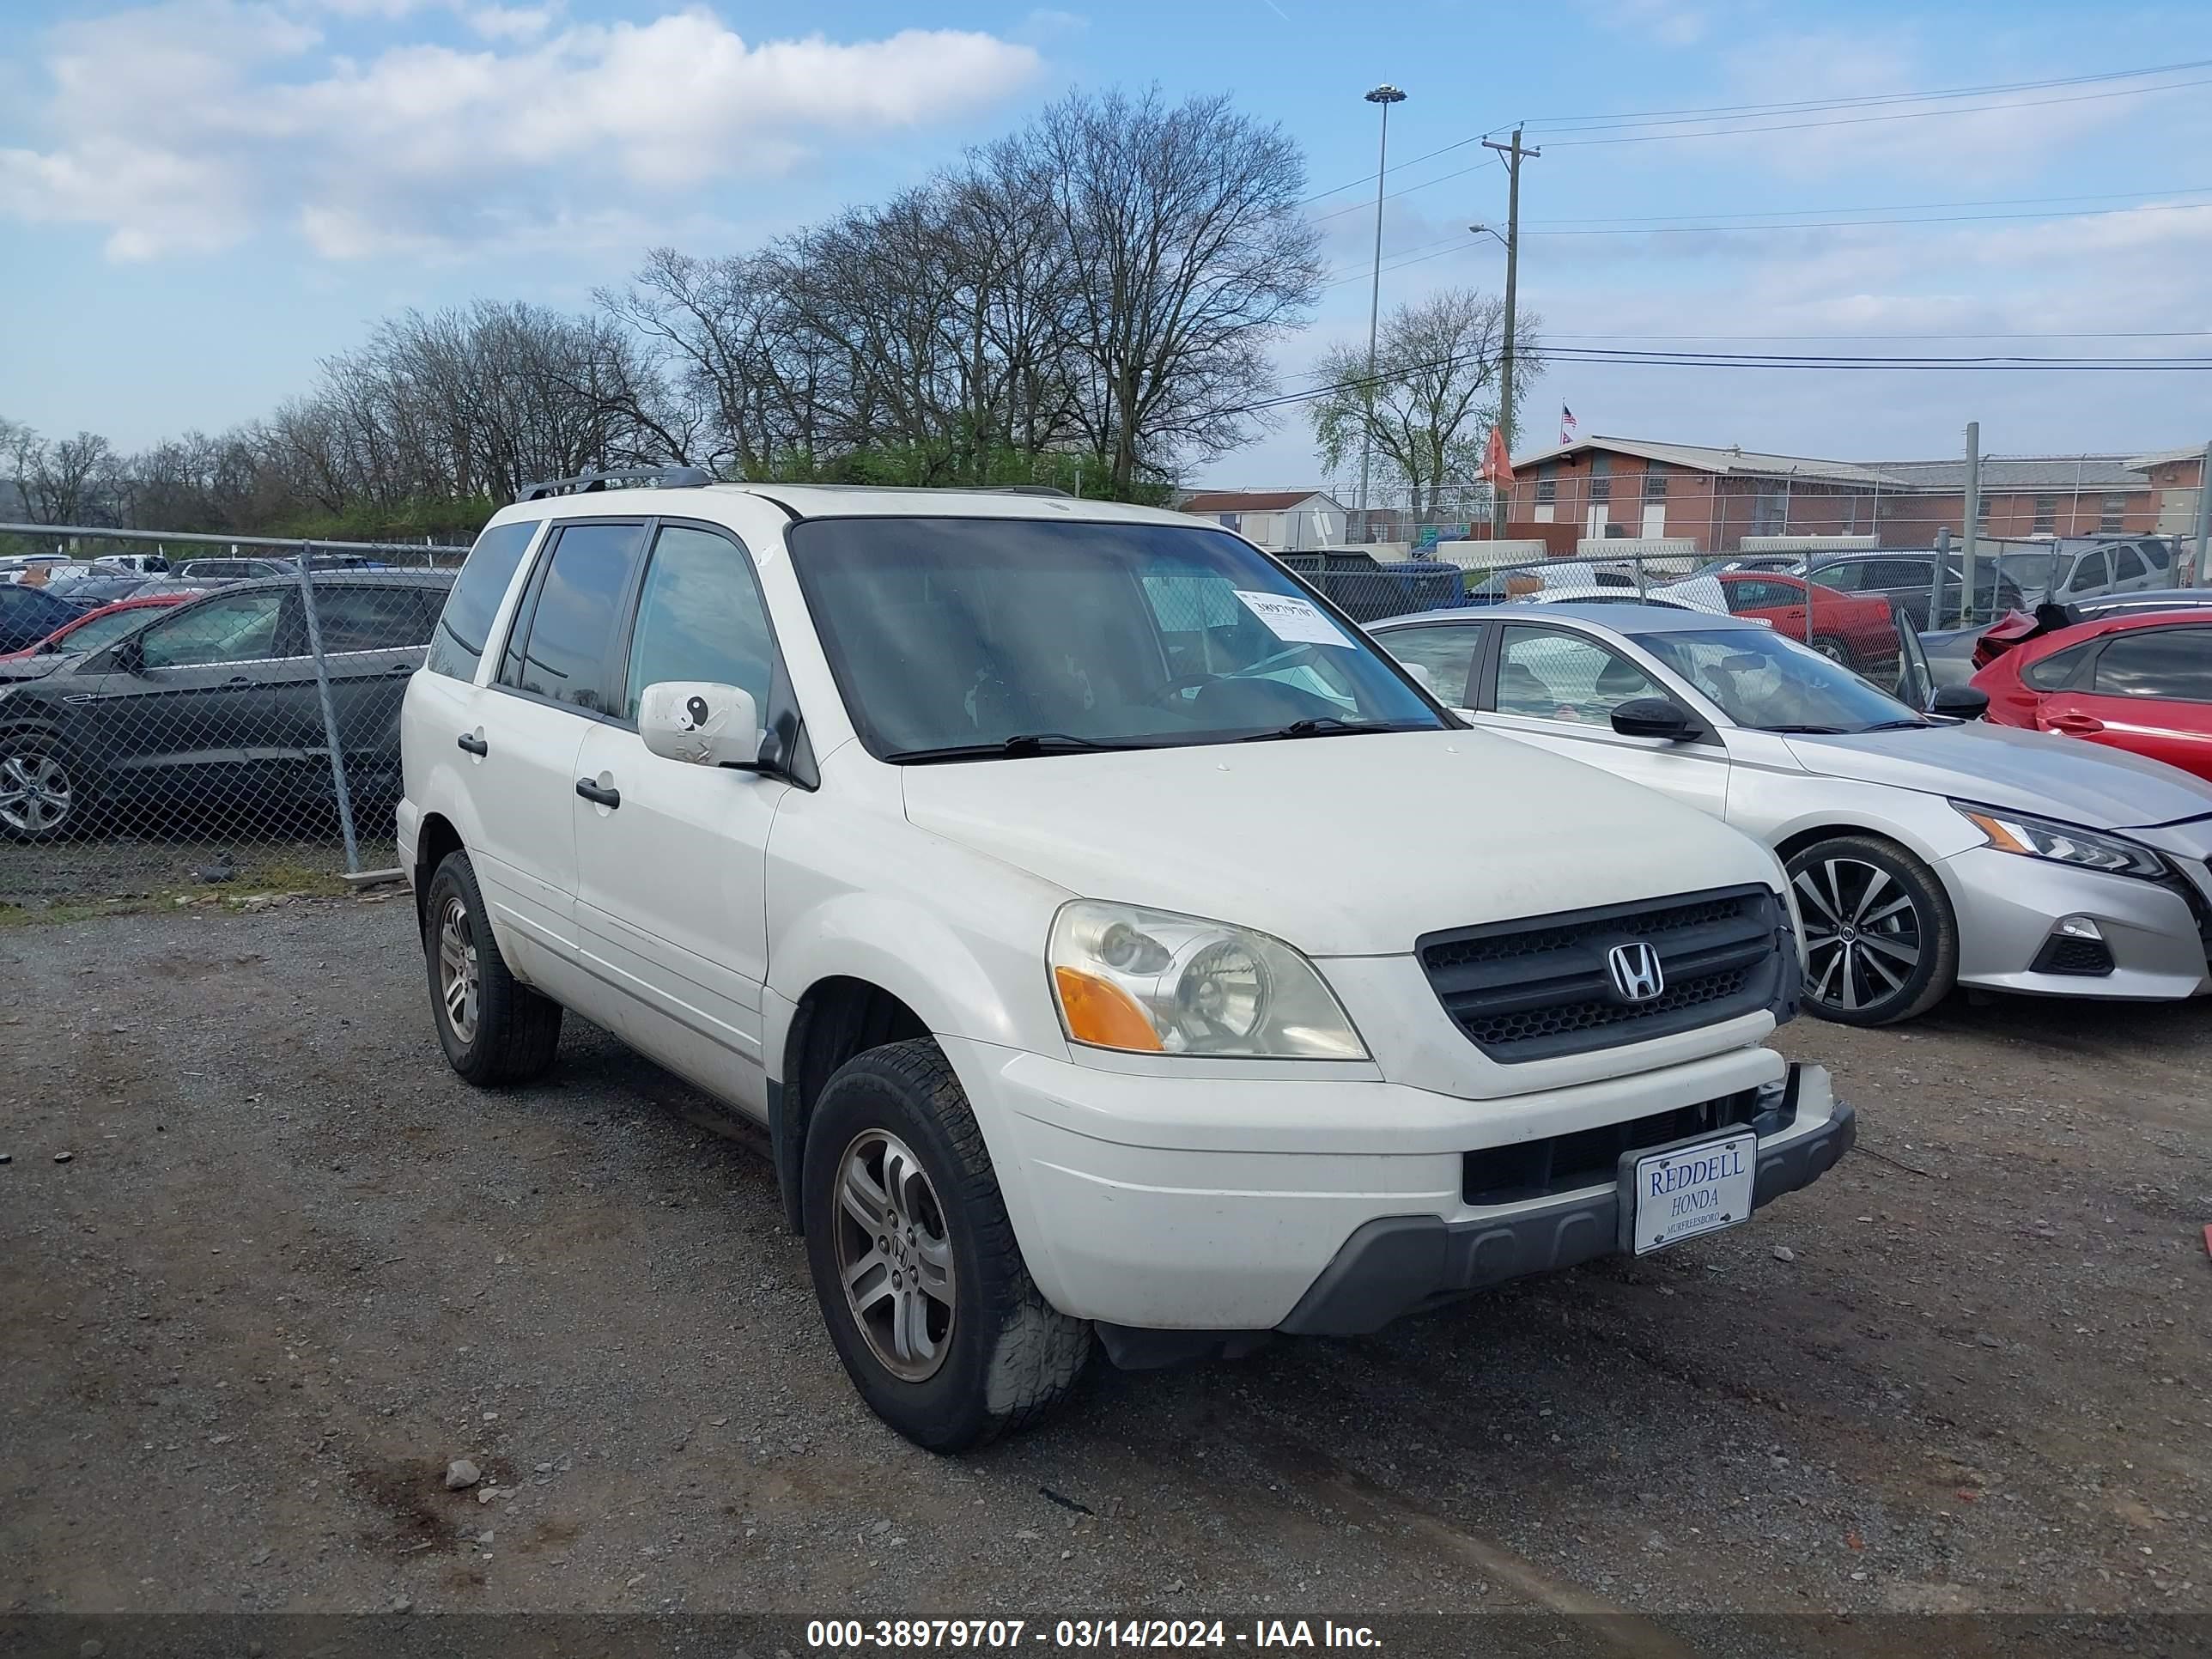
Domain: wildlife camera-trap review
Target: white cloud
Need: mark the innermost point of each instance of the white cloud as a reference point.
(185, 124)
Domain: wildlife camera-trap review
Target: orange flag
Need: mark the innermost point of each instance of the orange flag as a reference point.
(1497, 464)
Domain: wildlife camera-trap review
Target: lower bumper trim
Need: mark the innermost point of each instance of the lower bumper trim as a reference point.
(1397, 1265)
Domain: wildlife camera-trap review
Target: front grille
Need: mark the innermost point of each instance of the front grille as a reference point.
(1590, 1158)
(2178, 883)
(1539, 987)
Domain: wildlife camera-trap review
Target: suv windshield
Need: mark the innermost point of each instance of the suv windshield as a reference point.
(962, 638)
(1769, 684)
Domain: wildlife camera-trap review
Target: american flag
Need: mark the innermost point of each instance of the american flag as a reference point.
(1566, 424)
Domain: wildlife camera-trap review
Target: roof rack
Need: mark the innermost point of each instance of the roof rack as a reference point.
(635, 478)
(1027, 489)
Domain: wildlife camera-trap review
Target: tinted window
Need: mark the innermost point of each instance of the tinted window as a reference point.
(2093, 573)
(700, 618)
(458, 643)
(2127, 564)
(1447, 652)
(1845, 578)
(2055, 670)
(571, 623)
(1900, 573)
(2158, 662)
(236, 627)
(1563, 677)
(373, 618)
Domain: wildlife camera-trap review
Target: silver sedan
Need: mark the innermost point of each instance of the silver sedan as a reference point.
(1924, 852)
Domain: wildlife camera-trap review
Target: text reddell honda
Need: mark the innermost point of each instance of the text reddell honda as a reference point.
(1117, 946)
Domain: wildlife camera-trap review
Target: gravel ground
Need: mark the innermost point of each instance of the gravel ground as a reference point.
(292, 1268)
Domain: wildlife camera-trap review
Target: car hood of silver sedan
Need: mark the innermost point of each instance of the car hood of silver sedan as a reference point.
(2053, 777)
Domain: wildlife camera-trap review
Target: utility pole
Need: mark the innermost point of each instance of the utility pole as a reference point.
(1972, 532)
(1386, 95)
(2204, 519)
(1515, 155)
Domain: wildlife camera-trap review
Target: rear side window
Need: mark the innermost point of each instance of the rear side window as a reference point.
(559, 650)
(373, 618)
(2056, 670)
(458, 643)
(2158, 662)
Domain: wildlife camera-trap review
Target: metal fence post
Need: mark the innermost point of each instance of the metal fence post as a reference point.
(330, 710)
(2204, 518)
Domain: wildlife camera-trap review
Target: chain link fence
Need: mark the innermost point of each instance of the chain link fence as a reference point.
(231, 728)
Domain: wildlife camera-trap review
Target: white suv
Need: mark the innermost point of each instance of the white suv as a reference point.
(1115, 943)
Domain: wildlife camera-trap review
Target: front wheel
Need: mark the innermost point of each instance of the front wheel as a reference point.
(923, 1287)
(40, 796)
(1881, 942)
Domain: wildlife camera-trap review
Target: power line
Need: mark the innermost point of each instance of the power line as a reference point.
(1845, 224)
(1864, 120)
(1664, 117)
(1886, 207)
(1661, 117)
(1654, 357)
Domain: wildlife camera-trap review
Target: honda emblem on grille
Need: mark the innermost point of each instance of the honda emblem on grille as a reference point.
(1636, 975)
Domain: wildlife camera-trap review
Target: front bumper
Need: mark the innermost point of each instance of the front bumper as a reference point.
(2007, 907)
(1400, 1264)
(1155, 1204)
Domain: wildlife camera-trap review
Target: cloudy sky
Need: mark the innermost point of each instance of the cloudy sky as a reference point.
(199, 198)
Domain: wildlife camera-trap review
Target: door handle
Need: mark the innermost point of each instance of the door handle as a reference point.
(591, 792)
(402, 670)
(239, 679)
(2076, 725)
(473, 743)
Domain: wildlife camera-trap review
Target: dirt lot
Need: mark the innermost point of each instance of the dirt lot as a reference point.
(292, 1266)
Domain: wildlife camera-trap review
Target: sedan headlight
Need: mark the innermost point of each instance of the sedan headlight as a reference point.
(1150, 982)
(2061, 843)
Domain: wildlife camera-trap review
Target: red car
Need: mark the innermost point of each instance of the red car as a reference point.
(2141, 683)
(1856, 629)
(97, 627)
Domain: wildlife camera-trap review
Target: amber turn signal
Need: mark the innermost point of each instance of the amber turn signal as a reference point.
(1102, 1014)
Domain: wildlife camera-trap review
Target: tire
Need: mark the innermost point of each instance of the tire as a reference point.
(984, 1352)
(1912, 960)
(510, 1033)
(41, 797)
(1834, 650)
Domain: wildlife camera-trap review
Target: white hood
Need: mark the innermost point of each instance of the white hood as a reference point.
(1340, 846)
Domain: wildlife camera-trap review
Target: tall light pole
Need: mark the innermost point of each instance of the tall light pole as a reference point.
(1386, 95)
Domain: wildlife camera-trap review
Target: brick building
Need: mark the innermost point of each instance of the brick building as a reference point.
(1632, 487)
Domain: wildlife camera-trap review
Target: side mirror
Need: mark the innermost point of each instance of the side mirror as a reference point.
(700, 723)
(1654, 717)
(1960, 702)
(1420, 676)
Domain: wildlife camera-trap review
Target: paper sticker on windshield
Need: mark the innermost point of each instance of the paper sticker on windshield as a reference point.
(1291, 617)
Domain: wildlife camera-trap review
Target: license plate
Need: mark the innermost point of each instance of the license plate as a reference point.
(1688, 1190)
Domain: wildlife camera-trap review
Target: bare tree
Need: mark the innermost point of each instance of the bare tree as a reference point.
(1436, 390)
(1190, 259)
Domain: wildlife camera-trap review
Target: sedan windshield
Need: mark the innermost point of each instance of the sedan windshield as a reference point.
(956, 638)
(1769, 684)
(97, 631)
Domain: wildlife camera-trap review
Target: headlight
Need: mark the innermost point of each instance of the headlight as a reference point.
(2063, 843)
(1150, 982)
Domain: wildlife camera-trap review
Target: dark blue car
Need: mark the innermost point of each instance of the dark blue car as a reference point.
(28, 614)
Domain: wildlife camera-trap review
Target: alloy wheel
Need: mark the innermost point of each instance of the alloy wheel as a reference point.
(459, 976)
(34, 793)
(1863, 934)
(895, 1255)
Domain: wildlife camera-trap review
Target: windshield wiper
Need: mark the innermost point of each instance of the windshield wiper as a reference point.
(1326, 725)
(1809, 730)
(1023, 743)
(1898, 726)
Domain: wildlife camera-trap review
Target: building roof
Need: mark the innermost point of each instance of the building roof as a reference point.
(2165, 457)
(1252, 500)
(2047, 473)
(1734, 460)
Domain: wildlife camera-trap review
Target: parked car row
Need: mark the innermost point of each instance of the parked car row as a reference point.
(209, 700)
